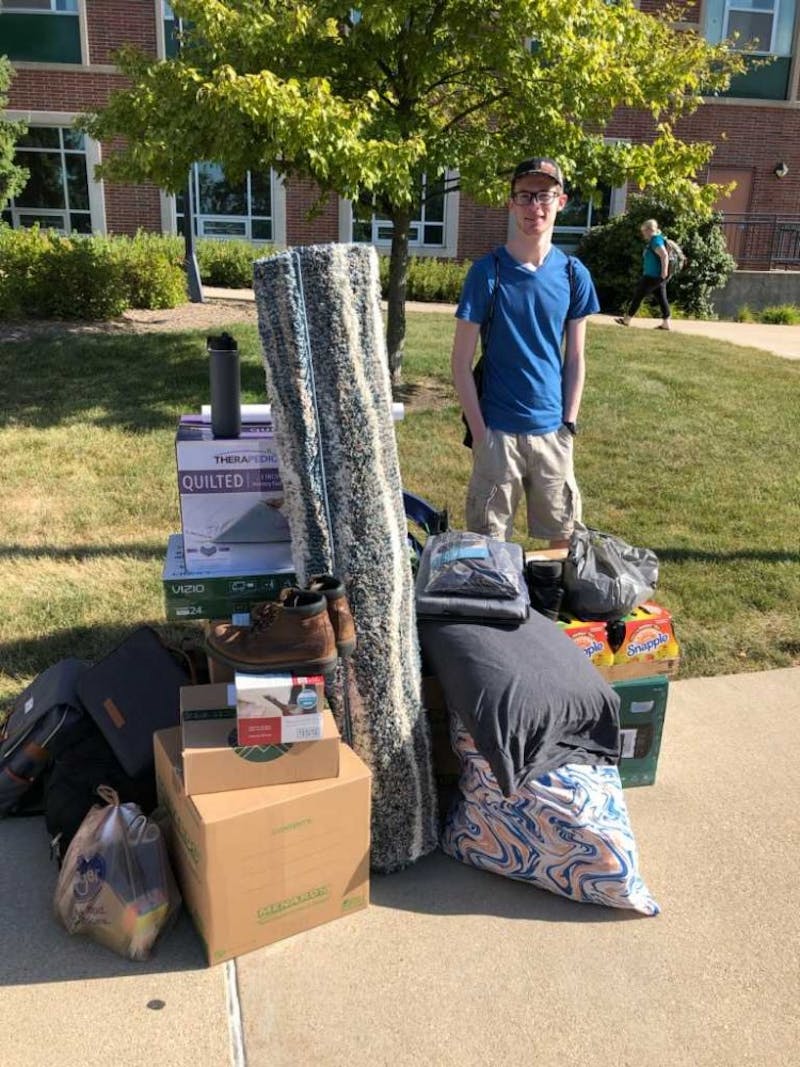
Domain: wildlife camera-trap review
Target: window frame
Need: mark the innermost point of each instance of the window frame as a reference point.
(91, 153)
(774, 11)
(417, 245)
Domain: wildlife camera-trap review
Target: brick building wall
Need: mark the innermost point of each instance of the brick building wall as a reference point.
(113, 23)
(480, 229)
(300, 230)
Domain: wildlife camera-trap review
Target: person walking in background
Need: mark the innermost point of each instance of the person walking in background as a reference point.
(524, 296)
(655, 269)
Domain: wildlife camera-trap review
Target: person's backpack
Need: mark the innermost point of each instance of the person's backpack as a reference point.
(46, 710)
(675, 255)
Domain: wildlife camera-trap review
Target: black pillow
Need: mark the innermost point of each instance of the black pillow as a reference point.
(529, 697)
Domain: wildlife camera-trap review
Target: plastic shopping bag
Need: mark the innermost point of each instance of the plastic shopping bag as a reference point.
(605, 577)
(471, 565)
(115, 884)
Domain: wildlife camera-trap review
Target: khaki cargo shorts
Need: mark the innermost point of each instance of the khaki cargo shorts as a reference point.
(506, 466)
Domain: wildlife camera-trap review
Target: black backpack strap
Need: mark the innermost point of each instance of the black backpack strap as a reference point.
(571, 276)
(487, 325)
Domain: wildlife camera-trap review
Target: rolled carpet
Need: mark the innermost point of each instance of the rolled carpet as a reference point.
(328, 380)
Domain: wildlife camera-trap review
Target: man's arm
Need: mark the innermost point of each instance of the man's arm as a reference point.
(574, 368)
(465, 343)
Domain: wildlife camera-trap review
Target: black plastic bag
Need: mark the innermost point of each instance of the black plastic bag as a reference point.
(605, 577)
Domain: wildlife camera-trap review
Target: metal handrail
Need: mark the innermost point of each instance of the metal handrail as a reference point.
(763, 242)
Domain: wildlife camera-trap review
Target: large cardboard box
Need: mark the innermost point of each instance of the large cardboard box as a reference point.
(214, 761)
(230, 493)
(258, 865)
(643, 706)
(211, 594)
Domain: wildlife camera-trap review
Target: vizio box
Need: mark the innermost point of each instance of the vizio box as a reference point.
(274, 709)
(208, 594)
(215, 761)
(230, 494)
(259, 865)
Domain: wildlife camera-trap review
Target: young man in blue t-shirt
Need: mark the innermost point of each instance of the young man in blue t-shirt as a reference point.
(525, 421)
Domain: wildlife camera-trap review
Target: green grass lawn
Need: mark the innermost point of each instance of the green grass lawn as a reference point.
(687, 446)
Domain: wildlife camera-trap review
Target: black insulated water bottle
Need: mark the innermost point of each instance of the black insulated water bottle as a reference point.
(223, 371)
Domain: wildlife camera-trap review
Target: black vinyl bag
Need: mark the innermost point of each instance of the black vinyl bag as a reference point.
(605, 577)
(46, 710)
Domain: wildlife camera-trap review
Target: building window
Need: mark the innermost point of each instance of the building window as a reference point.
(763, 28)
(428, 226)
(228, 210)
(57, 193)
(754, 23)
(171, 43)
(578, 216)
(40, 31)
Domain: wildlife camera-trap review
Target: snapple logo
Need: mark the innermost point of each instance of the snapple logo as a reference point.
(256, 753)
(646, 640)
(587, 644)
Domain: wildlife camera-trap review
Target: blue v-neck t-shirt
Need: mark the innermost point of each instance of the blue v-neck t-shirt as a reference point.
(522, 374)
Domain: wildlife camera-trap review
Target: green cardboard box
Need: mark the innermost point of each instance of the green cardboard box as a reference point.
(641, 715)
(217, 595)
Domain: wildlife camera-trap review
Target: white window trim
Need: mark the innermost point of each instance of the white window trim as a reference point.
(83, 30)
(97, 200)
(448, 250)
(169, 214)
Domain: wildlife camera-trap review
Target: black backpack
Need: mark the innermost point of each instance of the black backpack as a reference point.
(82, 762)
(44, 712)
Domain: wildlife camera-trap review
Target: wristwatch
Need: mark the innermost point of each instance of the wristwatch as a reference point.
(571, 426)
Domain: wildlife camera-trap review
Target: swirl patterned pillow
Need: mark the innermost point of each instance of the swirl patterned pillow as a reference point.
(567, 831)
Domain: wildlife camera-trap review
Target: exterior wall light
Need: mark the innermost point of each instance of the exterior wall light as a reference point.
(780, 170)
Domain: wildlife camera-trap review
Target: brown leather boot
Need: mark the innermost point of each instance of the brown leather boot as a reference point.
(293, 634)
(338, 611)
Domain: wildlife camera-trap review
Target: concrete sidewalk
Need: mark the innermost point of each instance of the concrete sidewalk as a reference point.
(780, 340)
(453, 966)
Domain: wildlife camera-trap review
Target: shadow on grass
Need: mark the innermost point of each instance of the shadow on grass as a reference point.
(697, 555)
(146, 552)
(134, 382)
(27, 657)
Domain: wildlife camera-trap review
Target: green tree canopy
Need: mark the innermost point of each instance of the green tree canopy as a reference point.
(12, 177)
(369, 100)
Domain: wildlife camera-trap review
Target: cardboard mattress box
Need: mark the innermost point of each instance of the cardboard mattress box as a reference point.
(258, 865)
(214, 761)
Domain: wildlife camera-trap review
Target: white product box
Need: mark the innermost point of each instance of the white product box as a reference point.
(230, 495)
(274, 709)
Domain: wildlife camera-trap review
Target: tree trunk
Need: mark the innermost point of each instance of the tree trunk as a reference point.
(398, 278)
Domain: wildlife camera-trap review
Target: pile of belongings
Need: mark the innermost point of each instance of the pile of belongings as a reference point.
(536, 731)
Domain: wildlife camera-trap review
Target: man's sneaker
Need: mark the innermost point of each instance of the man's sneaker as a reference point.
(338, 611)
(292, 633)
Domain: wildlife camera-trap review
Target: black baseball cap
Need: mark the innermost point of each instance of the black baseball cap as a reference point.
(539, 165)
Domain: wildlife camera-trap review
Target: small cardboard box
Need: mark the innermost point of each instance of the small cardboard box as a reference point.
(590, 637)
(230, 494)
(211, 594)
(643, 706)
(215, 761)
(646, 635)
(273, 709)
(258, 865)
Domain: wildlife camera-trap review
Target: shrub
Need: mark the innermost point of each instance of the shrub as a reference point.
(229, 264)
(781, 315)
(429, 279)
(47, 275)
(745, 314)
(152, 269)
(613, 253)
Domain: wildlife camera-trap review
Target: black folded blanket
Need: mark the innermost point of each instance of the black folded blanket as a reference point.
(529, 697)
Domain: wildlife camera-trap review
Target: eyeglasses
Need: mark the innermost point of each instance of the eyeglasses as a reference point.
(545, 198)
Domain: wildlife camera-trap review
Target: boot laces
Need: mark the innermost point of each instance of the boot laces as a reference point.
(263, 615)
